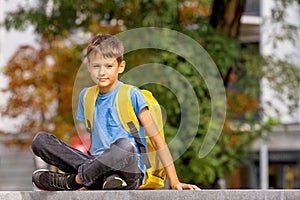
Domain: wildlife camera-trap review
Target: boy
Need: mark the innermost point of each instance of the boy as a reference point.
(116, 162)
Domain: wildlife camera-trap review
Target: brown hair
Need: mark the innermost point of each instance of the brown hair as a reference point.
(107, 46)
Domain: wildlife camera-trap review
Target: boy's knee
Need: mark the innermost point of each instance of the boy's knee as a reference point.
(38, 140)
(125, 144)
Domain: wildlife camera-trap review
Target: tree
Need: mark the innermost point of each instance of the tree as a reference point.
(45, 76)
(40, 90)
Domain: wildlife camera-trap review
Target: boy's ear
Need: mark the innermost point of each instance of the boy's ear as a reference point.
(122, 67)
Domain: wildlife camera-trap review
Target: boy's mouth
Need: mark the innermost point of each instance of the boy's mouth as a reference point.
(102, 79)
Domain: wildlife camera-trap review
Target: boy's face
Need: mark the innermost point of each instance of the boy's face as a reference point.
(104, 72)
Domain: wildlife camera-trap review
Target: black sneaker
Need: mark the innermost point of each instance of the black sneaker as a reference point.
(114, 182)
(53, 181)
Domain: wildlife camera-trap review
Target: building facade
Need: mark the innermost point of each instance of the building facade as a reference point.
(275, 161)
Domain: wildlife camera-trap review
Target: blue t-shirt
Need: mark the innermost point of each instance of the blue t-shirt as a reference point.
(107, 126)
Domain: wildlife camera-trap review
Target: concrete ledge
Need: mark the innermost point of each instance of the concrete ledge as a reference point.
(155, 195)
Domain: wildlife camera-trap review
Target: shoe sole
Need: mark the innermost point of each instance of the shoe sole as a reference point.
(115, 183)
(40, 170)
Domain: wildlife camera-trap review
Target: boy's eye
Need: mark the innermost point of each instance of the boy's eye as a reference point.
(105, 66)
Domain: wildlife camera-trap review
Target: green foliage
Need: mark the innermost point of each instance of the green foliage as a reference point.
(240, 67)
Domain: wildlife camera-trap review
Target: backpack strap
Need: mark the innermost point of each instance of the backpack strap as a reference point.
(89, 101)
(125, 109)
(129, 119)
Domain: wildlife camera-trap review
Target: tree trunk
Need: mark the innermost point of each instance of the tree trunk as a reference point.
(226, 15)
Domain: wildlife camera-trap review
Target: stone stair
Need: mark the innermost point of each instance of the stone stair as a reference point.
(155, 195)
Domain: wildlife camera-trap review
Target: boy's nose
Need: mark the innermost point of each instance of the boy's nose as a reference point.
(101, 70)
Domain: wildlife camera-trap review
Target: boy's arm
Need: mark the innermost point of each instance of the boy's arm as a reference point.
(163, 151)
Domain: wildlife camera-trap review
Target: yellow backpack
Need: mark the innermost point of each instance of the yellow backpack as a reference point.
(155, 174)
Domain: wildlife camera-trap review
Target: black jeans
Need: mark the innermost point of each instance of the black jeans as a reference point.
(121, 158)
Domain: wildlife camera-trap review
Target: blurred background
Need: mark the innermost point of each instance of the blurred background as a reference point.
(254, 43)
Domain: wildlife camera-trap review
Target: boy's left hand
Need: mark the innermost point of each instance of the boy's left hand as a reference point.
(184, 186)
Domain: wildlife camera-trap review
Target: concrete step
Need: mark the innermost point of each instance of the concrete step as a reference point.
(155, 195)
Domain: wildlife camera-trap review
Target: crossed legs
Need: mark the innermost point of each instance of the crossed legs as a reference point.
(121, 158)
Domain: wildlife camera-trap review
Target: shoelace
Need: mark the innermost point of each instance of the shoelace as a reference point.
(59, 181)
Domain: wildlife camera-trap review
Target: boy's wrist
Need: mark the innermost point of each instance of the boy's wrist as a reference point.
(174, 184)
